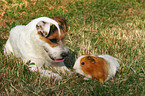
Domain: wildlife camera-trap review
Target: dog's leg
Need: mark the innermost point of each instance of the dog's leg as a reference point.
(47, 73)
(8, 48)
(44, 73)
(60, 67)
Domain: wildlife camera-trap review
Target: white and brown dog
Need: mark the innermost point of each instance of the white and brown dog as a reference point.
(40, 41)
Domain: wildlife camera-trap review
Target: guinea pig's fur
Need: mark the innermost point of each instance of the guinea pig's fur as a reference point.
(101, 67)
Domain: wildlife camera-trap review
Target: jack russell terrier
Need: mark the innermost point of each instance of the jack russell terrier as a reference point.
(40, 41)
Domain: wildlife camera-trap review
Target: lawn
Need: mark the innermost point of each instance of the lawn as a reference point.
(114, 27)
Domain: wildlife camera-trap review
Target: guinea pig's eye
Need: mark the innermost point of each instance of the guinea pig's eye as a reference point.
(83, 63)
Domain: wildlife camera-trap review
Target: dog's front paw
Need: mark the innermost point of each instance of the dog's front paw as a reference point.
(64, 70)
(46, 73)
(57, 76)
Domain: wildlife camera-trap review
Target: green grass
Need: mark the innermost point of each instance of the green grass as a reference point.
(115, 27)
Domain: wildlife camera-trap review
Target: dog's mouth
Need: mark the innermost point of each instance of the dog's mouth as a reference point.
(56, 60)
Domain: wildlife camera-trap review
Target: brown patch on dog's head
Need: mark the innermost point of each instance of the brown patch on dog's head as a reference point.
(61, 22)
(97, 67)
(53, 37)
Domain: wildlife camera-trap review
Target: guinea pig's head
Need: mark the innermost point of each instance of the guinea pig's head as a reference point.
(92, 67)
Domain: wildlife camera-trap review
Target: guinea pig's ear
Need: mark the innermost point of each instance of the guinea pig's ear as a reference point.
(91, 59)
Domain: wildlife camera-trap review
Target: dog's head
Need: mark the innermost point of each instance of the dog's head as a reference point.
(53, 38)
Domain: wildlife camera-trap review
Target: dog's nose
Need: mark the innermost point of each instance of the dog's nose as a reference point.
(64, 54)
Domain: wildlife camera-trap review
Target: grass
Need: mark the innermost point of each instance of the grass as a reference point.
(114, 27)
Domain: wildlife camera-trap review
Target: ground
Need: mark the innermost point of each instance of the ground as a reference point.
(114, 27)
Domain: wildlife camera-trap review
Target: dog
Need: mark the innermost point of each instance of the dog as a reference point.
(41, 42)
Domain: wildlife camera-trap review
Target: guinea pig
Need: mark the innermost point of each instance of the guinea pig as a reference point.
(101, 67)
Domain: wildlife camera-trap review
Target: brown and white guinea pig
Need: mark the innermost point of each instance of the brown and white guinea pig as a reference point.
(101, 67)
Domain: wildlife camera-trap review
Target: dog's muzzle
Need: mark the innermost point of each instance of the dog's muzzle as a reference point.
(63, 55)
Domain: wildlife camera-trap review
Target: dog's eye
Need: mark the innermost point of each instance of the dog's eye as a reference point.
(83, 63)
(53, 40)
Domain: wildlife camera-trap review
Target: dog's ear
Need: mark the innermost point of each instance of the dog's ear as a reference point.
(61, 21)
(43, 28)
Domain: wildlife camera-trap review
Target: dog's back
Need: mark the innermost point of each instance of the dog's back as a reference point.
(12, 43)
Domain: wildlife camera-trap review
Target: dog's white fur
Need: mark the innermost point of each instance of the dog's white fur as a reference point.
(24, 42)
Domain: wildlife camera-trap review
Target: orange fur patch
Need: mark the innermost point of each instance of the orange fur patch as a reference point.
(55, 35)
(97, 67)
